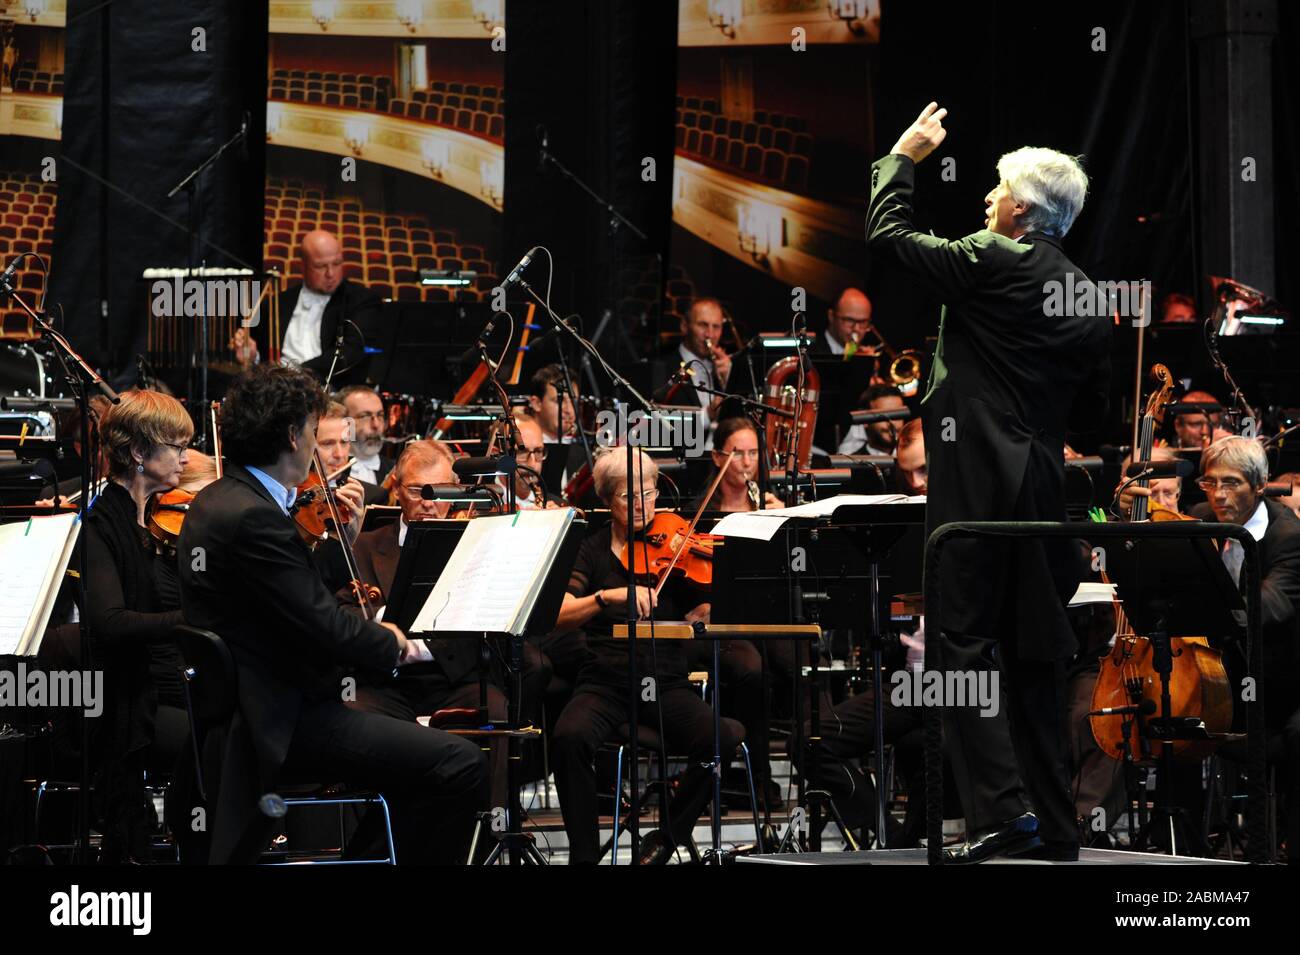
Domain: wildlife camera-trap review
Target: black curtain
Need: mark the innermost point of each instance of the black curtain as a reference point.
(597, 78)
(143, 106)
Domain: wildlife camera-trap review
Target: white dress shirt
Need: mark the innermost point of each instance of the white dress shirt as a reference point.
(1233, 555)
(367, 469)
(302, 337)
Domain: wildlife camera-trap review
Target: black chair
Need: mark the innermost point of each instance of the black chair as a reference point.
(210, 682)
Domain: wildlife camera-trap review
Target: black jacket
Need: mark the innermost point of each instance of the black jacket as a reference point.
(254, 585)
(1279, 592)
(349, 303)
(1007, 382)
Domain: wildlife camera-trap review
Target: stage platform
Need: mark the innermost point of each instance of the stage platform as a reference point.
(917, 857)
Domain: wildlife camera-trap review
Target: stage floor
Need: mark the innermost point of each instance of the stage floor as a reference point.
(917, 857)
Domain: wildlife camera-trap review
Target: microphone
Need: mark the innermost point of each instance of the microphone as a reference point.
(1145, 708)
(676, 380)
(1161, 469)
(517, 272)
(6, 278)
(483, 336)
(867, 416)
(243, 136)
(477, 467)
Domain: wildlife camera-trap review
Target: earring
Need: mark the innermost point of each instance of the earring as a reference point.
(139, 469)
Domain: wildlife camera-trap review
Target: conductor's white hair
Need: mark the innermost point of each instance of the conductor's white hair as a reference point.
(1051, 184)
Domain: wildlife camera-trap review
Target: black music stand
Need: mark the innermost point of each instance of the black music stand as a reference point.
(428, 547)
(877, 528)
(1173, 588)
(761, 585)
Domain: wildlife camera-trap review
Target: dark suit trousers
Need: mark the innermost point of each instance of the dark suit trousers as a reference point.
(847, 740)
(593, 716)
(434, 782)
(1013, 761)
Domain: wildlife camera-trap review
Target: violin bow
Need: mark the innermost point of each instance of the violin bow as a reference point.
(690, 529)
(349, 558)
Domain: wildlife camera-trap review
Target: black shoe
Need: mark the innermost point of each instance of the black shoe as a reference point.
(655, 849)
(1014, 836)
(1051, 852)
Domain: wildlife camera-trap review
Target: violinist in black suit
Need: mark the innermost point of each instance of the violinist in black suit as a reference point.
(325, 306)
(1010, 377)
(247, 576)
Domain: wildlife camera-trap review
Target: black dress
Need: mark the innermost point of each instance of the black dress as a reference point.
(126, 618)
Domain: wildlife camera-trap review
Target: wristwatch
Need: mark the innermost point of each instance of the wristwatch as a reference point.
(600, 601)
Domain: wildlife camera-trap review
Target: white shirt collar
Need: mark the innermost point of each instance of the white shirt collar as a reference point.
(833, 342)
(283, 496)
(401, 530)
(1258, 523)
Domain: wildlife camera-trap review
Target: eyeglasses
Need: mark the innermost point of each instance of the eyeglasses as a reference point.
(749, 453)
(848, 320)
(178, 448)
(1228, 484)
(537, 453)
(368, 416)
(648, 494)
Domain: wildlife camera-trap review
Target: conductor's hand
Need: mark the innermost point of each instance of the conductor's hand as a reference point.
(924, 135)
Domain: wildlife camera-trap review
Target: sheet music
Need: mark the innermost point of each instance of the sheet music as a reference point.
(763, 525)
(33, 557)
(496, 573)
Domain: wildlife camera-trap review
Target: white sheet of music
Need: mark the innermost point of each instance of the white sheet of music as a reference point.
(496, 573)
(33, 557)
(763, 525)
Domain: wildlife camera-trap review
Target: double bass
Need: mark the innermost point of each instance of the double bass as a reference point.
(1198, 682)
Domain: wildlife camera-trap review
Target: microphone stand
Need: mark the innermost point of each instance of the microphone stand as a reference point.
(81, 378)
(632, 396)
(194, 223)
(614, 221)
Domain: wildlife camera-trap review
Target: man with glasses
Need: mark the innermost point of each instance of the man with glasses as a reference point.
(369, 425)
(1234, 471)
(531, 454)
(848, 323)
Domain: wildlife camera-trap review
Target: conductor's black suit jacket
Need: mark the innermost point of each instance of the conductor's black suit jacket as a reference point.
(254, 585)
(1008, 380)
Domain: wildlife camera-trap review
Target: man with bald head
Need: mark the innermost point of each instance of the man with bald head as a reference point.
(849, 320)
(313, 314)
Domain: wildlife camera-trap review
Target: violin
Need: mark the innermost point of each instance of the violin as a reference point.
(669, 545)
(316, 504)
(166, 514)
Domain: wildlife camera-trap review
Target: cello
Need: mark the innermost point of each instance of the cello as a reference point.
(1198, 682)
